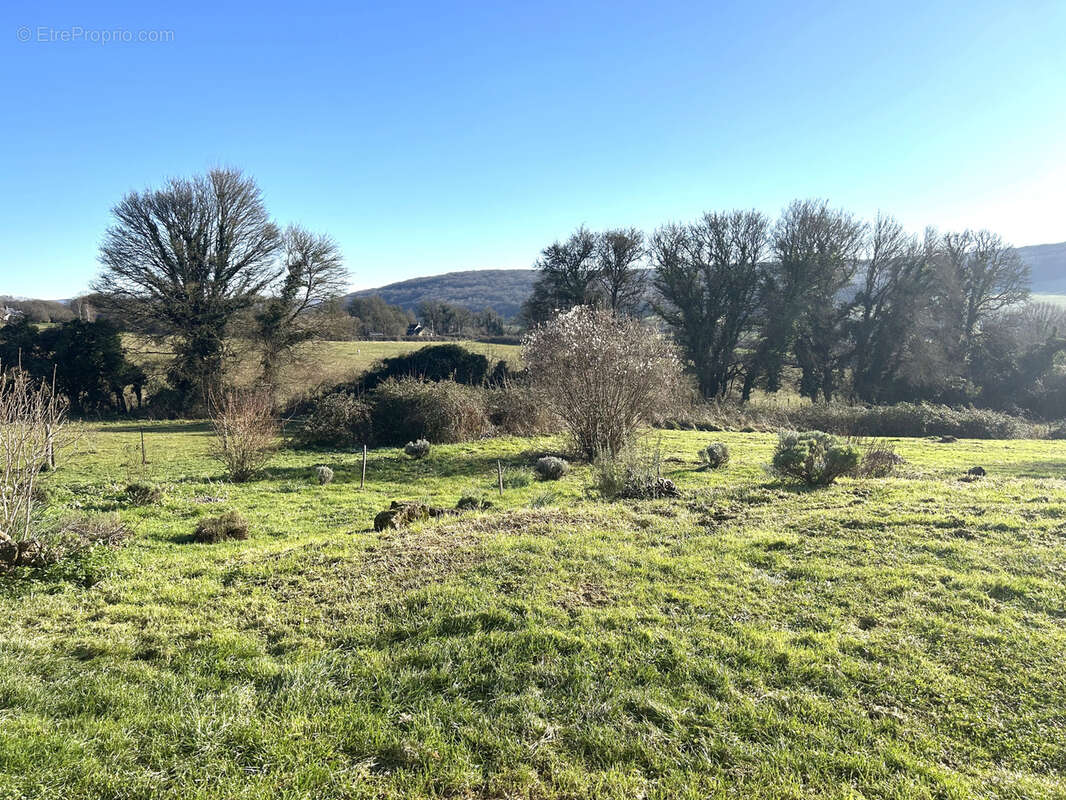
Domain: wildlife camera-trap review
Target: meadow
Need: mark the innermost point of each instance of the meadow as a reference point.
(314, 364)
(890, 638)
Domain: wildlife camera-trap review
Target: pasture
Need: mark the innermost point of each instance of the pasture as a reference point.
(891, 638)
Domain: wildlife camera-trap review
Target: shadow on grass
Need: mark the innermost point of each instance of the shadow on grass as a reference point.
(149, 427)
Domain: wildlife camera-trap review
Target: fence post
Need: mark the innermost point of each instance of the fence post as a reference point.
(362, 478)
(50, 452)
(144, 456)
(499, 475)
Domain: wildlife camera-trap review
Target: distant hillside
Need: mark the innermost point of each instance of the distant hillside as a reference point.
(502, 289)
(1048, 263)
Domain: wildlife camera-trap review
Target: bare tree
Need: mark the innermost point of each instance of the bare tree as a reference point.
(707, 277)
(620, 254)
(892, 308)
(805, 299)
(314, 273)
(979, 277)
(569, 276)
(191, 256)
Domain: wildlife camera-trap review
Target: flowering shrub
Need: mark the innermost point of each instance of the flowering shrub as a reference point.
(603, 375)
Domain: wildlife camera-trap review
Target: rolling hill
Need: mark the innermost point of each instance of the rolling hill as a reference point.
(501, 289)
(506, 289)
(1048, 263)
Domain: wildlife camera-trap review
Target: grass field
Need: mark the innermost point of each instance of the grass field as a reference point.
(319, 363)
(897, 638)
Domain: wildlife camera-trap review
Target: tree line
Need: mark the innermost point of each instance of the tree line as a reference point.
(822, 300)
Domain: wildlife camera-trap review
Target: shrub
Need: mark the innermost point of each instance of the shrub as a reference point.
(442, 362)
(140, 493)
(715, 455)
(550, 468)
(603, 375)
(229, 525)
(246, 431)
(813, 458)
(338, 420)
(408, 409)
(417, 449)
(516, 409)
(324, 475)
(879, 460)
(32, 431)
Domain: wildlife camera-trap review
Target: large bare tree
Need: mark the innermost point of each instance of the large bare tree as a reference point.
(314, 273)
(190, 257)
(707, 280)
(980, 276)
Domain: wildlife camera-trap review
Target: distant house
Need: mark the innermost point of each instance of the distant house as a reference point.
(414, 329)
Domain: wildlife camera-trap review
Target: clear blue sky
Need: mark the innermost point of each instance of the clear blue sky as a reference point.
(430, 137)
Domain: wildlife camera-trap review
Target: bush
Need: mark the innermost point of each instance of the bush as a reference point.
(338, 420)
(442, 362)
(901, 419)
(550, 468)
(408, 409)
(229, 525)
(140, 493)
(417, 449)
(246, 432)
(324, 475)
(715, 455)
(514, 408)
(813, 458)
(879, 460)
(603, 375)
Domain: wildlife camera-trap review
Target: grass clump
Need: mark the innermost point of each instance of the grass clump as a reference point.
(715, 455)
(226, 526)
(324, 475)
(419, 448)
(813, 458)
(56, 541)
(142, 493)
(551, 468)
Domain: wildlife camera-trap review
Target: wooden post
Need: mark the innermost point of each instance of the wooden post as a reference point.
(50, 452)
(362, 479)
(144, 456)
(499, 475)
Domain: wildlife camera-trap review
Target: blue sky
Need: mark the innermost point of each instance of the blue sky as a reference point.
(427, 137)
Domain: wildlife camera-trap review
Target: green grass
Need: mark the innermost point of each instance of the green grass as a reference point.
(318, 363)
(892, 639)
